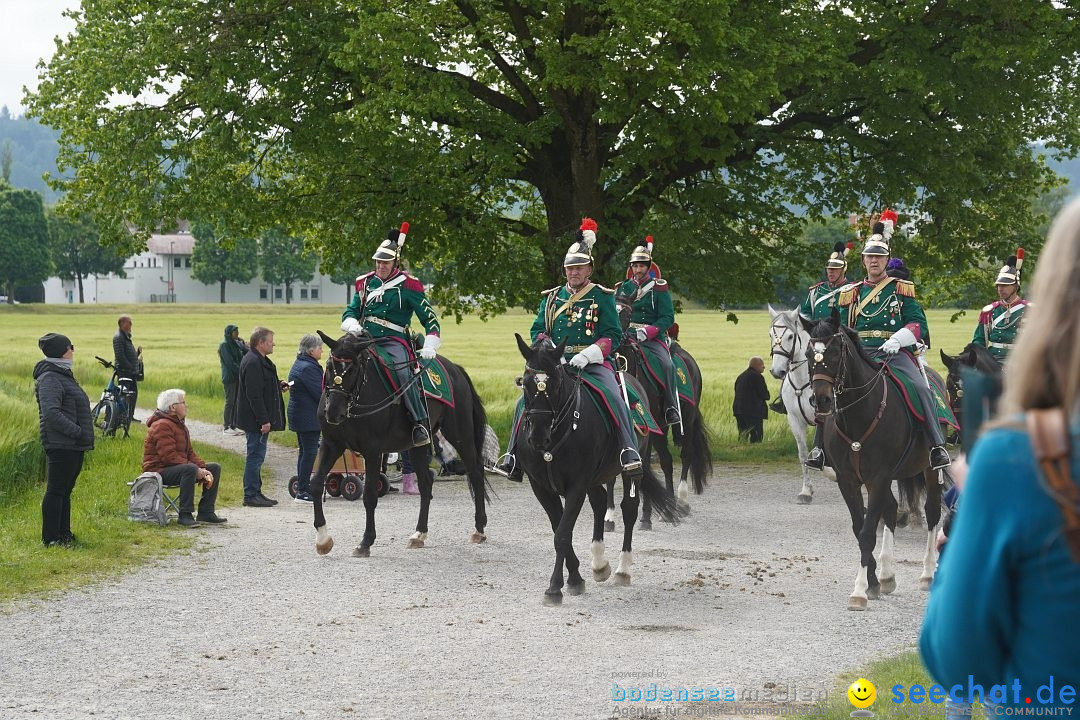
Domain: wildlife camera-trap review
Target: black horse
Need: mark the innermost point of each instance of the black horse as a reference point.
(568, 448)
(974, 356)
(692, 437)
(871, 438)
(358, 413)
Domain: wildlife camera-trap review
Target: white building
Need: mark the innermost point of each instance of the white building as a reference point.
(162, 273)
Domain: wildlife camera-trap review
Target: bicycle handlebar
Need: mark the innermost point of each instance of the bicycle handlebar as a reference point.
(104, 362)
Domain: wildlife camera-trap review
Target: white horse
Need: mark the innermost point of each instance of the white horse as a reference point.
(789, 343)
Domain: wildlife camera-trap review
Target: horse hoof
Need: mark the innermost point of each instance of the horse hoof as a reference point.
(609, 526)
(925, 583)
(645, 525)
(682, 507)
(856, 603)
(578, 589)
(361, 551)
(414, 544)
(553, 599)
(603, 573)
(477, 538)
(324, 548)
(622, 578)
(804, 499)
(888, 585)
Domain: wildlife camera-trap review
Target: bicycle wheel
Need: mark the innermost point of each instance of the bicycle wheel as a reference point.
(105, 416)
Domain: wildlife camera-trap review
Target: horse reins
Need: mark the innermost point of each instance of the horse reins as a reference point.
(793, 365)
(570, 407)
(361, 359)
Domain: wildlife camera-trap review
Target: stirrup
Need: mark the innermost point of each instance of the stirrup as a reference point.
(936, 460)
(631, 464)
(420, 435)
(507, 466)
(778, 406)
(816, 459)
(672, 416)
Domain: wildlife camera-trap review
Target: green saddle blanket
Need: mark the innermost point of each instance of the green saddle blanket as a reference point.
(911, 397)
(655, 372)
(435, 380)
(643, 420)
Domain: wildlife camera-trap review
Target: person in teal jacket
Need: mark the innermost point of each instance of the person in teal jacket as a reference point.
(651, 315)
(583, 314)
(385, 301)
(1004, 606)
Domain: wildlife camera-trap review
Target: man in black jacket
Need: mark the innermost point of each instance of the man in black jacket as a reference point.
(128, 360)
(751, 396)
(259, 409)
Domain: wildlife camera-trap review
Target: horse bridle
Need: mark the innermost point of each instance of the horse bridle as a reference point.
(338, 368)
(793, 364)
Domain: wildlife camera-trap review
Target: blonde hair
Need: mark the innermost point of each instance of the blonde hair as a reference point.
(1044, 370)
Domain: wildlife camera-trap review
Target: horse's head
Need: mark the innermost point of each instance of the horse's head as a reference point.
(825, 354)
(344, 375)
(788, 337)
(542, 385)
(954, 384)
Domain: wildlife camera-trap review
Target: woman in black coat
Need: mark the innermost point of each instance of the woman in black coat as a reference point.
(66, 434)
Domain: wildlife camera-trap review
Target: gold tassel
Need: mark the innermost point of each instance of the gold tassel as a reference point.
(905, 288)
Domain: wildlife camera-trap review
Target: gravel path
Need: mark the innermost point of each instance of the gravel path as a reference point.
(750, 590)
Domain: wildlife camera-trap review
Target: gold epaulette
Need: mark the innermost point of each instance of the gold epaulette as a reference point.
(848, 295)
(905, 288)
(551, 291)
(601, 288)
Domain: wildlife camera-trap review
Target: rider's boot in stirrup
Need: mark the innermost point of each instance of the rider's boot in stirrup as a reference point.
(939, 457)
(507, 467)
(778, 406)
(672, 417)
(816, 459)
(420, 434)
(630, 461)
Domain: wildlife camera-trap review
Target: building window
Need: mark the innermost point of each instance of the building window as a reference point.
(277, 293)
(303, 293)
(187, 262)
(263, 293)
(176, 262)
(314, 293)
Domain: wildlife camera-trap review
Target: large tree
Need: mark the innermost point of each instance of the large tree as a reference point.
(24, 239)
(218, 258)
(76, 249)
(493, 126)
(285, 260)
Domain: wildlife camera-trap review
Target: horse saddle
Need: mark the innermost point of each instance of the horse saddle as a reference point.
(654, 371)
(910, 393)
(643, 420)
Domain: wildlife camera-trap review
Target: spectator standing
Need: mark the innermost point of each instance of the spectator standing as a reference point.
(167, 451)
(1003, 606)
(230, 353)
(128, 360)
(751, 397)
(259, 410)
(66, 434)
(306, 379)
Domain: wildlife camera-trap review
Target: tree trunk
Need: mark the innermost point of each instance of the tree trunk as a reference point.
(222, 281)
(9, 288)
(79, 280)
(288, 293)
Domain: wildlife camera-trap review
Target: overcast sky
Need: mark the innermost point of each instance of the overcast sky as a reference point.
(28, 28)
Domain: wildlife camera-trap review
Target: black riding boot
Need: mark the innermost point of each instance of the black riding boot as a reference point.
(420, 433)
(778, 406)
(816, 459)
(507, 467)
(939, 457)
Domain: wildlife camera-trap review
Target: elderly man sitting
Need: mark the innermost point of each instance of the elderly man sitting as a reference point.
(168, 452)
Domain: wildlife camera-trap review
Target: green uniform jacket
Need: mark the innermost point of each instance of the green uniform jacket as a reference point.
(998, 326)
(652, 307)
(893, 307)
(821, 300)
(591, 318)
(396, 305)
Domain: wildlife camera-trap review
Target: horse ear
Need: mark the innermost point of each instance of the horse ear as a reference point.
(834, 321)
(327, 340)
(947, 359)
(772, 313)
(526, 351)
(808, 325)
(560, 348)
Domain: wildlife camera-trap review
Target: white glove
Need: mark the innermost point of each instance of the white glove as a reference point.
(642, 336)
(592, 354)
(351, 325)
(900, 338)
(431, 344)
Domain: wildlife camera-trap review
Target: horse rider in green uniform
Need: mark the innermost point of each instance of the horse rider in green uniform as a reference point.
(386, 299)
(889, 321)
(822, 297)
(652, 313)
(583, 314)
(999, 322)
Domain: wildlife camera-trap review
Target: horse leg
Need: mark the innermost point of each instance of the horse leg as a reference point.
(420, 458)
(609, 516)
(798, 428)
(575, 499)
(668, 466)
(646, 512)
(599, 498)
(462, 438)
(372, 463)
(629, 512)
(553, 507)
(886, 559)
(932, 508)
(868, 539)
(329, 451)
(852, 494)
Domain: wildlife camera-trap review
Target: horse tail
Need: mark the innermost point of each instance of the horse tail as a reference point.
(696, 452)
(910, 489)
(663, 501)
(479, 427)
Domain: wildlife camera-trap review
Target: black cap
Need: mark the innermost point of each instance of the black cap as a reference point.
(54, 345)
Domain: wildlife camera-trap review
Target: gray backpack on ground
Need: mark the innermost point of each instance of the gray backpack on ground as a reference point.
(146, 503)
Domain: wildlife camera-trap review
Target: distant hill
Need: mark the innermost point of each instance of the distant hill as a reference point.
(1069, 169)
(33, 152)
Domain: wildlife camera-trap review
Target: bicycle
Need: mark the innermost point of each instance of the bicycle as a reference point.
(113, 411)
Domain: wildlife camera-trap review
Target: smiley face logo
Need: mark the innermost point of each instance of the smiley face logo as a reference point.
(862, 693)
